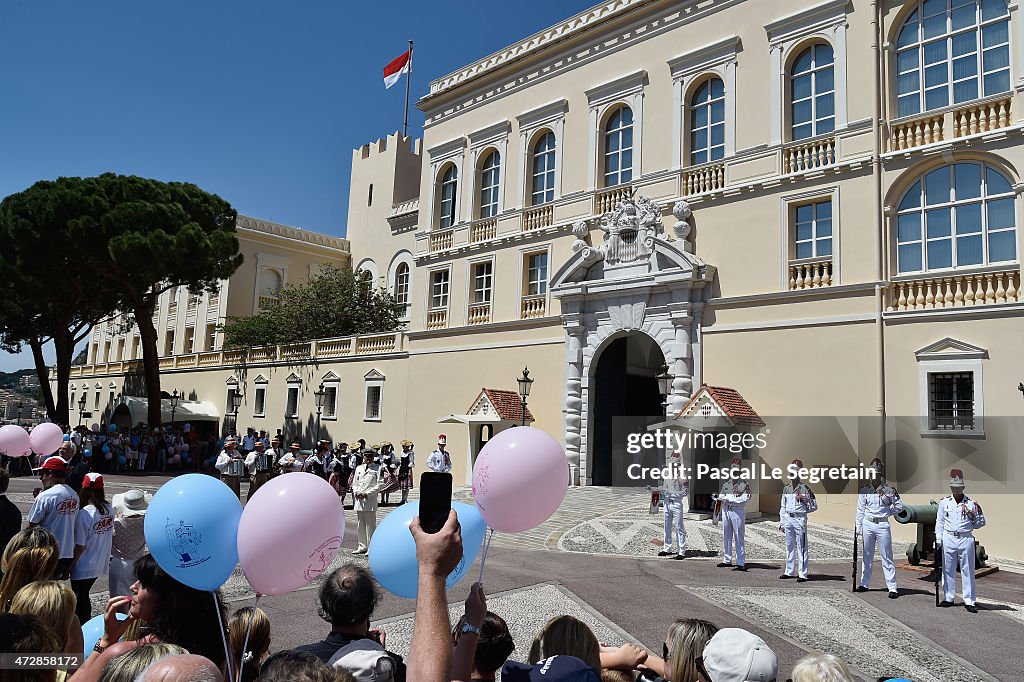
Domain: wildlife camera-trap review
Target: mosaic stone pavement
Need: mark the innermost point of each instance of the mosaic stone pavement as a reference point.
(836, 622)
(630, 531)
(525, 610)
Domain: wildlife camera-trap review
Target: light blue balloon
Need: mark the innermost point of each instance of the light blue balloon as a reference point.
(191, 528)
(67, 438)
(92, 630)
(121, 460)
(87, 453)
(105, 449)
(393, 550)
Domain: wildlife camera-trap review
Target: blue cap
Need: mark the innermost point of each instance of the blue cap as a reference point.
(554, 669)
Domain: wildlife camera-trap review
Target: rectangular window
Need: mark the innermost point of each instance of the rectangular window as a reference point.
(373, 396)
(951, 401)
(211, 337)
(439, 283)
(120, 350)
(292, 404)
(190, 340)
(169, 342)
(135, 348)
(812, 230)
(96, 401)
(482, 282)
(106, 352)
(259, 405)
(331, 402)
(537, 274)
(231, 400)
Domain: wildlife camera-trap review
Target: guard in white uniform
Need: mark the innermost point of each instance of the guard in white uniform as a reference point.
(367, 484)
(734, 496)
(439, 460)
(674, 491)
(224, 465)
(876, 502)
(957, 518)
(797, 502)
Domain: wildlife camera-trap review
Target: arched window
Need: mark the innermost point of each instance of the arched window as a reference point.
(402, 286)
(707, 122)
(618, 147)
(952, 51)
(812, 92)
(543, 170)
(956, 216)
(490, 176)
(448, 191)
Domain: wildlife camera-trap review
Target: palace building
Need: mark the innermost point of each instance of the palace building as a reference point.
(812, 208)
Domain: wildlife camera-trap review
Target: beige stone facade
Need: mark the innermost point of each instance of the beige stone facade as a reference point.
(848, 241)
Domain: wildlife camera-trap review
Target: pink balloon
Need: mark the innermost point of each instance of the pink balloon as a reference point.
(14, 441)
(290, 532)
(46, 438)
(519, 479)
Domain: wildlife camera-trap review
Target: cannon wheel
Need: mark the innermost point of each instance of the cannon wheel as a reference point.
(913, 555)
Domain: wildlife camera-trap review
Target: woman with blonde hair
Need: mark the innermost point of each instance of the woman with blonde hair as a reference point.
(567, 636)
(819, 667)
(128, 666)
(31, 555)
(54, 604)
(255, 622)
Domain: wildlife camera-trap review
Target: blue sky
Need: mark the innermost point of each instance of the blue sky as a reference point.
(260, 102)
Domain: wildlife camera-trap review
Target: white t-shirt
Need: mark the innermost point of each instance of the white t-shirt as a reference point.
(96, 532)
(55, 510)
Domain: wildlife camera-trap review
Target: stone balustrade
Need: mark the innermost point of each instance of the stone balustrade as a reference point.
(955, 290)
(810, 273)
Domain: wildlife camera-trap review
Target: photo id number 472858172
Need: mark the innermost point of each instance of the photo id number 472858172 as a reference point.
(9, 661)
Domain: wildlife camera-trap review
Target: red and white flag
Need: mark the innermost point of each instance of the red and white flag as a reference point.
(398, 66)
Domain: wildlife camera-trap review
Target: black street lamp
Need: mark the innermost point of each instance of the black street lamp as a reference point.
(664, 385)
(1020, 387)
(81, 409)
(320, 393)
(525, 382)
(236, 402)
(174, 405)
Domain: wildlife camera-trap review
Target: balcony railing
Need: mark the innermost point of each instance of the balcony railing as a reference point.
(478, 313)
(956, 290)
(799, 157)
(266, 302)
(916, 133)
(439, 241)
(482, 230)
(982, 117)
(703, 179)
(810, 273)
(538, 216)
(437, 319)
(533, 307)
(606, 200)
(961, 120)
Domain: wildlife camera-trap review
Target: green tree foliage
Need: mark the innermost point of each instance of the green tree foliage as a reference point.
(333, 303)
(135, 238)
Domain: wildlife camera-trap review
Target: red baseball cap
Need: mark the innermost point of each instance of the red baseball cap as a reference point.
(54, 463)
(92, 480)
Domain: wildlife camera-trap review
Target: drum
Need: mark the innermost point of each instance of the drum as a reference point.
(236, 467)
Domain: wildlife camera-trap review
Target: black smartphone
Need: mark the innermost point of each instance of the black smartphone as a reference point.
(435, 500)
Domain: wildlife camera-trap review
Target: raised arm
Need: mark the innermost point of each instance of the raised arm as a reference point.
(430, 655)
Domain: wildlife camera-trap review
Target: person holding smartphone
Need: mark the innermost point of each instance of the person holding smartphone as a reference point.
(366, 485)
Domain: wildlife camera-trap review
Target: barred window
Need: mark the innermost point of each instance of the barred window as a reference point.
(373, 397)
(951, 401)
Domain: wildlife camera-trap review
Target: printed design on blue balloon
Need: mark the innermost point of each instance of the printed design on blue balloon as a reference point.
(185, 540)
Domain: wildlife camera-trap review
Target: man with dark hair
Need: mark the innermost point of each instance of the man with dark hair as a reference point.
(347, 599)
(10, 515)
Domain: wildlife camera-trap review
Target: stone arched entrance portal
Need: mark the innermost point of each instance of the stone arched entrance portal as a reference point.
(637, 280)
(625, 397)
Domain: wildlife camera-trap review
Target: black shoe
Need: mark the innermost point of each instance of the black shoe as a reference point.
(679, 557)
(740, 568)
(723, 564)
(971, 607)
(664, 552)
(946, 604)
(785, 576)
(860, 588)
(894, 595)
(801, 580)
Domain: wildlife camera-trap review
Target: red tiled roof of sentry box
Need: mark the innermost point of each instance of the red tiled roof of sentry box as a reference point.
(508, 404)
(732, 403)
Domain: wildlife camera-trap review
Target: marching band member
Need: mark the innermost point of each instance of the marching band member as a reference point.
(876, 502)
(406, 464)
(340, 471)
(674, 491)
(313, 463)
(440, 460)
(294, 459)
(797, 502)
(956, 520)
(367, 484)
(228, 464)
(387, 463)
(734, 496)
(259, 463)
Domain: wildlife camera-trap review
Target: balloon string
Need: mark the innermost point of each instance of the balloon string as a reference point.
(483, 559)
(223, 635)
(248, 629)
